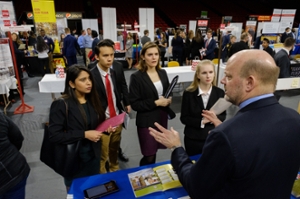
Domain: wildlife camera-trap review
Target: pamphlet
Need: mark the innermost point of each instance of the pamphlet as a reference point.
(220, 106)
(150, 180)
(111, 122)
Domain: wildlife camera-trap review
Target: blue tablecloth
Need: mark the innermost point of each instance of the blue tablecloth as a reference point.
(121, 178)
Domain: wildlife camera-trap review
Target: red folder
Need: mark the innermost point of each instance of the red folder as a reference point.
(113, 122)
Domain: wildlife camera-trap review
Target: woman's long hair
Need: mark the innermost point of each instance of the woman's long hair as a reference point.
(92, 97)
(18, 40)
(195, 84)
(198, 37)
(142, 65)
(41, 44)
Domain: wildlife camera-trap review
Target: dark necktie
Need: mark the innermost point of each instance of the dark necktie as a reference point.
(111, 107)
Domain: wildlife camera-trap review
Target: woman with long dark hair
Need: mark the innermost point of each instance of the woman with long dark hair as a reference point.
(197, 44)
(177, 44)
(146, 95)
(75, 116)
(42, 49)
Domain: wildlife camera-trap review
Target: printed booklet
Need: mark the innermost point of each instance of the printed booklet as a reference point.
(150, 180)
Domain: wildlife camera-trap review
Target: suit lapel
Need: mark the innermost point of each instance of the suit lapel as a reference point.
(99, 82)
(163, 80)
(212, 99)
(198, 99)
(149, 82)
(113, 77)
(77, 114)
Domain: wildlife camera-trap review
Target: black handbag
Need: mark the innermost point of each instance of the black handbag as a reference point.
(62, 158)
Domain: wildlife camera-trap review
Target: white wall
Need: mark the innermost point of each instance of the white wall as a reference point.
(146, 21)
(109, 23)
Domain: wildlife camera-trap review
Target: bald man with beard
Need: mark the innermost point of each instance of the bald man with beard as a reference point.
(255, 154)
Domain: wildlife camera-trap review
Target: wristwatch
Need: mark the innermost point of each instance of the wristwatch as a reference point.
(175, 147)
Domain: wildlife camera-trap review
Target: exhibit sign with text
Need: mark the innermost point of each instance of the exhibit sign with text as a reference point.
(7, 15)
(44, 16)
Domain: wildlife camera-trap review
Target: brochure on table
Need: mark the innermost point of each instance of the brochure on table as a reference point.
(151, 180)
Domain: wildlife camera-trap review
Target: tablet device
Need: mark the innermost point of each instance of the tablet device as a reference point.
(171, 86)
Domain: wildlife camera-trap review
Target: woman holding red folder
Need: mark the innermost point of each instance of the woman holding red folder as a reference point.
(201, 95)
(75, 116)
(146, 90)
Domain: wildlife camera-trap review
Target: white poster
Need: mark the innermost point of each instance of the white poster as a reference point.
(192, 25)
(236, 30)
(284, 25)
(6, 64)
(109, 23)
(270, 27)
(146, 20)
(288, 15)
(259, 28)
(61, 25)
(7, 15)
(92, 24)
(276, 15)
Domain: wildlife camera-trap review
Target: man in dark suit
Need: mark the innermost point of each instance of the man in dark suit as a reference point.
(122, 89)
(241, 45)
(210, 46)
(107, 88)
(288, 33)
(252, 154)
(69, 48)
(282, 58)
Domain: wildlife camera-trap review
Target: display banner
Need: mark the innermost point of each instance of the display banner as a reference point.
(7, 15)
(44, 17)
(202, 24)
(276, 15)
(298, 36)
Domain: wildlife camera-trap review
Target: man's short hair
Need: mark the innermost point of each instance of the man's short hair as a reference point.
(104, 43)
(146, 32)
(287, 28)
(266, 40)
(82, 31)
(289, 42)
(67, 30)
(232, 36)
(94, 34)
(42, 30)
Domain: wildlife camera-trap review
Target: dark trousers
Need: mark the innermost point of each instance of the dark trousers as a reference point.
(44, 66)
(177, 55)
(71, 60)
(82, 50)
(192, 146)
(162, 58)
(17, 192)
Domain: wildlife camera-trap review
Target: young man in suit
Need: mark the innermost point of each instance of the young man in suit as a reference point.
(107, 88)
(253, 153)
(241, 45)
(69, 48)
(210, 46)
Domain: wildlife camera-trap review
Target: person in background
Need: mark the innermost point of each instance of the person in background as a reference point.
(42, 48)
(188, 47)
(162, 44)
(286, 34)
(107, 84)
(61, 42)
(197, 45)
(14, 167)
(88, 41)
(74, 32)
(225, 41)
(84, 114)
(258, 40)
(201, 95)
(20, 56)
(146, 95)
(267, 48)
(210, 46)
(69, 48)
(145, 38)
(177, 44)
(120, 39)
(241, 45)
(94, 44)
(50, 44)
(129, 50)
(237, 155)
(32, 39)
(81, 44)
(228, 46)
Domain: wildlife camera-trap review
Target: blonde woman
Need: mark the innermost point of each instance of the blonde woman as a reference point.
(129, 49)
(200, 95)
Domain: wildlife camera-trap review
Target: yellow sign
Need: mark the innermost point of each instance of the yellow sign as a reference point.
(43, 10)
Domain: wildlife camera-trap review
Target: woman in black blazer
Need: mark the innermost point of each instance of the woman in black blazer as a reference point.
(146, 90)
(84, 114)
(200, 95)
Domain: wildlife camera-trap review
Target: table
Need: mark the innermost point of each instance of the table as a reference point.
(51, 84)
(121, 178)
(33, 62)
(5, 86)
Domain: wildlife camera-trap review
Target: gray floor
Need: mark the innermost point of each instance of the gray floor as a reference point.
(43, 182)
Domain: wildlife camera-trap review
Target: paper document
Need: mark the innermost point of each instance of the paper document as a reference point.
(113, 122)
(220, 106)
(22, 47)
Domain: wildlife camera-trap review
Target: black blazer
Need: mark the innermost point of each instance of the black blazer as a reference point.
(142, 94)
(283, 62)
(102, 91)
(76, 126)
(255, 154)
(191, 110)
